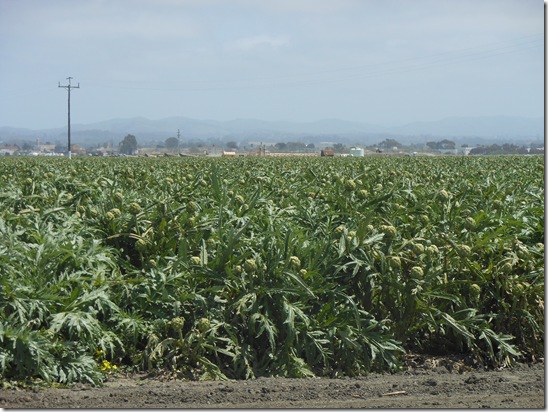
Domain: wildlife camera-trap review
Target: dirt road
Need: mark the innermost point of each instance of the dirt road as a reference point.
(421, 387)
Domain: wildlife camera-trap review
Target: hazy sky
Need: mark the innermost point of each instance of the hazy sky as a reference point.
(375, 61)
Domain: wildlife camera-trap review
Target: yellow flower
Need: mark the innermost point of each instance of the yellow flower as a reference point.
(105, 365)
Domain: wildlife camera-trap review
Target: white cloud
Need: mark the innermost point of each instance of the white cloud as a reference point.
(257, 42)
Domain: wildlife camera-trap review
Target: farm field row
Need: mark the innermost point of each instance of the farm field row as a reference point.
(246, 267)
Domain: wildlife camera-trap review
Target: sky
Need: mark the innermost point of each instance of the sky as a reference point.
(386, 62)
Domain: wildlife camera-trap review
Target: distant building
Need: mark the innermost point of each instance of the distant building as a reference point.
(357, 152)
(328, 153)
(45, 148)
(77, 149)
(8, 150)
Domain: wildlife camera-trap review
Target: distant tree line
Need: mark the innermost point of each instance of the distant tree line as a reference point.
(389, 144)
(129, 146)
(441, 145)
(506, 148)
(294, 146)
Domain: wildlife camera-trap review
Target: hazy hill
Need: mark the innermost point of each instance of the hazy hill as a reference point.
(493, 126)
(499, 128)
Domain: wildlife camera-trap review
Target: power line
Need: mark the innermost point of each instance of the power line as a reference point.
(69, 87)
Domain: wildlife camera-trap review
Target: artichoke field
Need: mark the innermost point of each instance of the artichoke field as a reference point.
(245, 267)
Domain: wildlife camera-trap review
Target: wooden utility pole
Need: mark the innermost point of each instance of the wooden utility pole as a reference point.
(68, 87)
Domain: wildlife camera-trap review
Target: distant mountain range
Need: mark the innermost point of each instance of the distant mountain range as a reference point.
(460, 129)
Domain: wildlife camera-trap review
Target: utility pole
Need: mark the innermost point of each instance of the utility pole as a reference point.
(178, 141)
(68, 87)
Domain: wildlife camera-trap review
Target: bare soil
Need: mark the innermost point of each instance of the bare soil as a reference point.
(427, 384)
